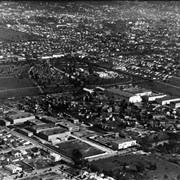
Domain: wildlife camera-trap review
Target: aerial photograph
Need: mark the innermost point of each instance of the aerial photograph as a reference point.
(89, 90)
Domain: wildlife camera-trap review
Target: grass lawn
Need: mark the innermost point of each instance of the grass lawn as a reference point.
(13, 83)
(14, 87)
(85, 149)
(164, 168)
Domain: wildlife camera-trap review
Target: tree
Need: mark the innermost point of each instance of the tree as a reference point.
(77, 156)
(178, 177)
(166, 176)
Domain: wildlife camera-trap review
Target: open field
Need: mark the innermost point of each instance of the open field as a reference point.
(158, 86)
(163, 167)
(13, 83)
(175, 80)
(12, 35)
(14, 87)
(85, 149)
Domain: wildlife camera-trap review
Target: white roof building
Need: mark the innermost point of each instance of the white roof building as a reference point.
(135, 99)
(13, 168)
(20, 117)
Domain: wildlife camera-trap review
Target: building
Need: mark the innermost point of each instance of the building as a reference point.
(154, 96)
(123, 143)
(55, 157)
(175, 105)
(55, 134)
(20, 117)
(95, 176)
(49, 119)
(52, 122)
(25, 132)
(13, 168)
(119, 92)
(4, 122)
(90, 91)
(114, 141)
(137, 91)
(42, 127)
(135, 99)
(73, 120)
(70, 126)
(99, 88)
(167, 100)
(132, 94)
(36, 122)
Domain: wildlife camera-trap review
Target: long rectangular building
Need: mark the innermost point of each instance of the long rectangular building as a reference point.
(54, 134)
(20, 117)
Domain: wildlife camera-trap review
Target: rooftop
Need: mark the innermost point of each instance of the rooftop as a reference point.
(108, 140)
(119, 92)
(54, 131)
(20, 114)
(42, 126)
(136, 90)
(50, 118)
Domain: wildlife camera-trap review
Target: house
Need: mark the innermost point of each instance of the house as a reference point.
(13, 168)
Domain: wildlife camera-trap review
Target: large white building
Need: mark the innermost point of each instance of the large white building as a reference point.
(115, 142)
(168, 100)
(55, 134)
(20, 117)
(132, 94)
(124, 143)
(135, 99)
(13, 168)
(154, 97)
(56, 157)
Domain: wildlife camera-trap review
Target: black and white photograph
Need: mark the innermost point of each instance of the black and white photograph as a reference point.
(89, 90)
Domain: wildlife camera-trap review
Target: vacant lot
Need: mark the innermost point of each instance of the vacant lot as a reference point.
(85, 149)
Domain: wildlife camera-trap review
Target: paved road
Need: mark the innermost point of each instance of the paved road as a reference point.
(44, 146)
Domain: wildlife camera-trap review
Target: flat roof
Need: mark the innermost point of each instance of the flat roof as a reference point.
(66, 123)
(136, 90)
(157, 94)
(42, 126)
(168, 98)
(119, 92)
(37, 122)
(121, 140)
(50, 118)
(108, 140)
(20, 115)
(25, 130)
(54, 131)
